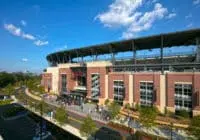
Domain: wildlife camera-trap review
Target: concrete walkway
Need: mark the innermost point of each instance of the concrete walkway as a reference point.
(74, 109)
(32, 96)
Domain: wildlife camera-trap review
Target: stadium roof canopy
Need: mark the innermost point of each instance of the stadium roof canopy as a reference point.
(181, 38)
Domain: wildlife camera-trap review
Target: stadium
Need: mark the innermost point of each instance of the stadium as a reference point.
(115, 71)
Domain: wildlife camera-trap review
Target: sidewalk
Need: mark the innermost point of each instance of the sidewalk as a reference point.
(157, 131)
(31, 95)
(74, 109)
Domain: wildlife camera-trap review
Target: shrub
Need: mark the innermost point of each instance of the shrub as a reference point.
(88, 127)
(183, 113)
(127, 106)
(114, 109)
(137, 107)
(107, 101)
(5, 102)
(147, 116)
(13, 111)
(194, 127)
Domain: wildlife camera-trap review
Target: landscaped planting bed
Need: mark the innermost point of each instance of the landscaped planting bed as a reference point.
(13, 112)
(5, 102)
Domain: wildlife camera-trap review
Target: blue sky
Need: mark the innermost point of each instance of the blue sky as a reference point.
(32, 29)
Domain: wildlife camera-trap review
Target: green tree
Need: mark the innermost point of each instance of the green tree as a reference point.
(147, 116)
(61, 115)
(40, 89)
(114, 109)
(88, 127)
(6, 79)
(194, 127)
(45, 107)
(9, 89)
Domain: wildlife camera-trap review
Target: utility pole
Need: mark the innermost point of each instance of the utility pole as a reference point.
(171, 130)
(41, 114)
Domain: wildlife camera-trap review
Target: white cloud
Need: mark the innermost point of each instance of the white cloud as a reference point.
(23, 22)
(28, 36)
(190, 25)
(154, 1)
(24, 59)
(127, 35)
(61, 48)
(41, 43)
(13, 29)
(125, 13)
(196, 2)
(188, 16)
(18, 32)
(121, 12)
(146, 21)
(171, 15)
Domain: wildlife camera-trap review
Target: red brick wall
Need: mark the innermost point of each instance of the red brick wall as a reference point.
(196, 91)
(138, 77)
(45, 78)
(70, 81)
(184, 77)
(118, 76)
(102, 72)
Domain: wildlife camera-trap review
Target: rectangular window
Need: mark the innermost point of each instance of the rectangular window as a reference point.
(119, 91)
(49, 84)
(64, 83)
(95, 90)
(183, 97)
(146, 93)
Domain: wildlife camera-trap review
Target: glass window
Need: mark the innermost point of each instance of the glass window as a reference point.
(64, 83)
(95, 90)
(119, 91)
(146, 93)
(183, 96)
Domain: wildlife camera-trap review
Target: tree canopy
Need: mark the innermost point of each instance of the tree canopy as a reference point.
(12, 78)
(9, 89)
(194, 127)
(114, 109)
(61, 115)
(147, 116)
(88, 127)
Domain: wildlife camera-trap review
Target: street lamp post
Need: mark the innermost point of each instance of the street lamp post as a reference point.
(171, 124)
(41, 113)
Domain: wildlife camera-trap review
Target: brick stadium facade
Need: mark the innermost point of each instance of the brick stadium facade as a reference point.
(160, 83)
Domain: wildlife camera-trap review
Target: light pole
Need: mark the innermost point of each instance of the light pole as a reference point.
(41, 113)
(171, 125)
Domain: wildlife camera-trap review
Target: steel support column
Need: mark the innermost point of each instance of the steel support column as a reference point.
(51, 60)
(112, 54)
(69, 57)
(92, 54)
(77, 56)
(58, 60)
(96, 56)
(82, 58)
(198, 50)
(134, 55)
(161, 54)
